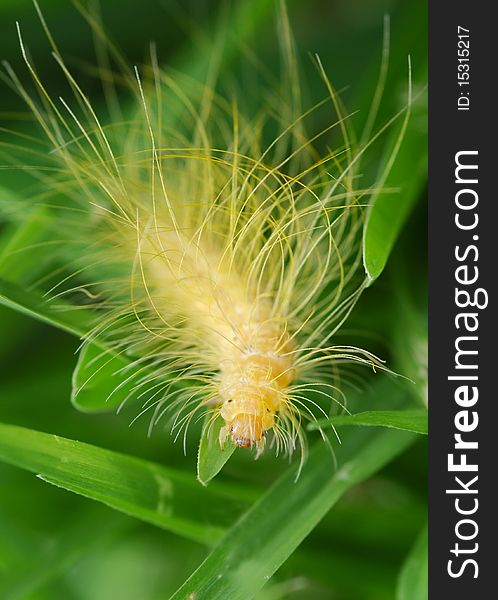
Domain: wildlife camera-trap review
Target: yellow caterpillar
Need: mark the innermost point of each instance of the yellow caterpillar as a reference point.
(216, 261)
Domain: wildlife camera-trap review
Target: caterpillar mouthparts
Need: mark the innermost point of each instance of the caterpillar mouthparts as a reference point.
(247, 431)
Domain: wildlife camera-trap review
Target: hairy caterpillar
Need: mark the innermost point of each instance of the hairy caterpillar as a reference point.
(223, 266)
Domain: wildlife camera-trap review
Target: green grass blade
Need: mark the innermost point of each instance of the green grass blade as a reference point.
(388, 212)
(101, 381)
(20, 246)
(145, 490)
(212, 457)
(267, 534)
(31, 303)
(414, 580)
(77, 321)
(406, 420)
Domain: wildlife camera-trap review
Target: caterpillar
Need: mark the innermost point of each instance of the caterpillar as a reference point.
(222, 264)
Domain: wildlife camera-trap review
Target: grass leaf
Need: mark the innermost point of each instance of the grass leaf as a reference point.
(267, 534)
(388, 212)
(212, 457)
(148, 491)
(406, 420)
(100, 380)
(31, 303)
(20, 246)
(414, 579)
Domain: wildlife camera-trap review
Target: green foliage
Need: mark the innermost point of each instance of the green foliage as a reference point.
(161, 496)
(34, 305)
(340, 528)
(388, 212)
(100, 380)
(407, 420)
(413, 579)
(255, 547)
(18, 252)
(212, 456)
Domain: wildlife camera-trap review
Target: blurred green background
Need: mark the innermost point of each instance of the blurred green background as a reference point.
(57, 545)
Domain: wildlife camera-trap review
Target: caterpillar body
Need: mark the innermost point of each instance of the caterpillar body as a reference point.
(221, 266)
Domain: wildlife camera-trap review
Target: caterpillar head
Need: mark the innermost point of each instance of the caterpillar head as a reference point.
(246, 421)
(246, 431)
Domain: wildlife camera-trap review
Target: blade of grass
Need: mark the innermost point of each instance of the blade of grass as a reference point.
(19, 258)
(104, 380)
(161, 496)
(100, 380)
(212, 457)
(414, 579)
(77, 321)
(388, 213)
(267, 534)
(406, 420)
(31, 303)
